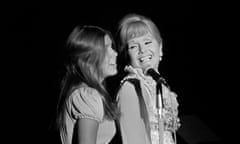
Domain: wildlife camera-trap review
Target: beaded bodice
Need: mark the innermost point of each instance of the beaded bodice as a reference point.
(163, 119)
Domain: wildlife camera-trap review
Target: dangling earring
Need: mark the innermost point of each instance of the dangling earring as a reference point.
(161, 52)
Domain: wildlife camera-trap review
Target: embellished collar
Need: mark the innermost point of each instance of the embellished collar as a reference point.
(138, 73)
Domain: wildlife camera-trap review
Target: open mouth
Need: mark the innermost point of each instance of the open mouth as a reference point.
(145, 58)
(112, 64)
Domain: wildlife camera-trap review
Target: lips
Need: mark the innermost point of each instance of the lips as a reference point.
(112, 63)
(145, 58)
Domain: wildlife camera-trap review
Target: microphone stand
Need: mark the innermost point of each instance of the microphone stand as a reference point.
(159, 106)
(159, 101)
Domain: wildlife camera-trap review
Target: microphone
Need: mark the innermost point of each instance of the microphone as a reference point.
(160, 80)
(153, 74)
(156, 76)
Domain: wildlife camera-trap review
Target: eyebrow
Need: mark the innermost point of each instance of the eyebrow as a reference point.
(145, 39)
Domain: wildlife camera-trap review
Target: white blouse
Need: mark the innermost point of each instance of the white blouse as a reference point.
(86, 102)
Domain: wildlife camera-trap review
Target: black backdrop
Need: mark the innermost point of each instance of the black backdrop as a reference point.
(191, 62)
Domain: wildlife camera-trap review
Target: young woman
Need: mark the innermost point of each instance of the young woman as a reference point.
(86, 113)
(148, 107)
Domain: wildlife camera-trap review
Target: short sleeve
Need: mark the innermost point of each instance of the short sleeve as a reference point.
(86, 102)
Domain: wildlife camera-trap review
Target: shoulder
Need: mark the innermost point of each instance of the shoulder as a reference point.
(87, 94)
(87, 102)
(128, 88)
(129, 82)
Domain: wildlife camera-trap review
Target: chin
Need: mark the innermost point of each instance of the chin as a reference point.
(115, 72)
(146, 66)
(112, 73)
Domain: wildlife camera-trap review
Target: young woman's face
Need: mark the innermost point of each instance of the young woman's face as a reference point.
(144, 52)
(109, 65)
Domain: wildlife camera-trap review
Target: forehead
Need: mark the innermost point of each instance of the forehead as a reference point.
(147, 36)
(136, 29)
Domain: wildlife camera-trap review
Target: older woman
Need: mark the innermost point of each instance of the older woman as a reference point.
(148, 107)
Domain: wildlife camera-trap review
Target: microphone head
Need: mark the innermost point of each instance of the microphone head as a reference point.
(146, 70)
(150, 71)
(156, 76)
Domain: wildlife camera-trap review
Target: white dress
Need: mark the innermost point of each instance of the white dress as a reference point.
(163, 123)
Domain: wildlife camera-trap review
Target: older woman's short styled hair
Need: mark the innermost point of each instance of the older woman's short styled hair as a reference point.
(134, 25)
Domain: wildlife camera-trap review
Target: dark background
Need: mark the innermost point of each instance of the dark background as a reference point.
(194, 61)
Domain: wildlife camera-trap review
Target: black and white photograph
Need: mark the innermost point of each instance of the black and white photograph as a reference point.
(117, 73)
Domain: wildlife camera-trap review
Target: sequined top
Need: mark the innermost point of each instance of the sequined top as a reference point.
(86, 102)
(163, 122)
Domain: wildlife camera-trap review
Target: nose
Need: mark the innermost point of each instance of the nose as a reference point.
(114, 53)
(141, 48)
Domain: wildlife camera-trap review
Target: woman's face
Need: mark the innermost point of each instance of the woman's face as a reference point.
(109, 65)
(144, 52)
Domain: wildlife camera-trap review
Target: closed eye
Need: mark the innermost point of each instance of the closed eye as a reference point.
(148, 42)
(132, 47)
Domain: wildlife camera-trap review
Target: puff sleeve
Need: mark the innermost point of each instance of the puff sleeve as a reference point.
(86, 102)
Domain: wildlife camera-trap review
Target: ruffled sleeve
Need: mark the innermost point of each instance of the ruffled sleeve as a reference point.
(170, 111)
(86, 102)
(170, 99)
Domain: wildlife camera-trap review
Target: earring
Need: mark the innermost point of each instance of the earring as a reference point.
(160, 58)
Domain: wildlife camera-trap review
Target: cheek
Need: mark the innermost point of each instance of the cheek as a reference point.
(105, 70)
(133, 57)
(156, 49)
(132, 53)
(104, 64)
